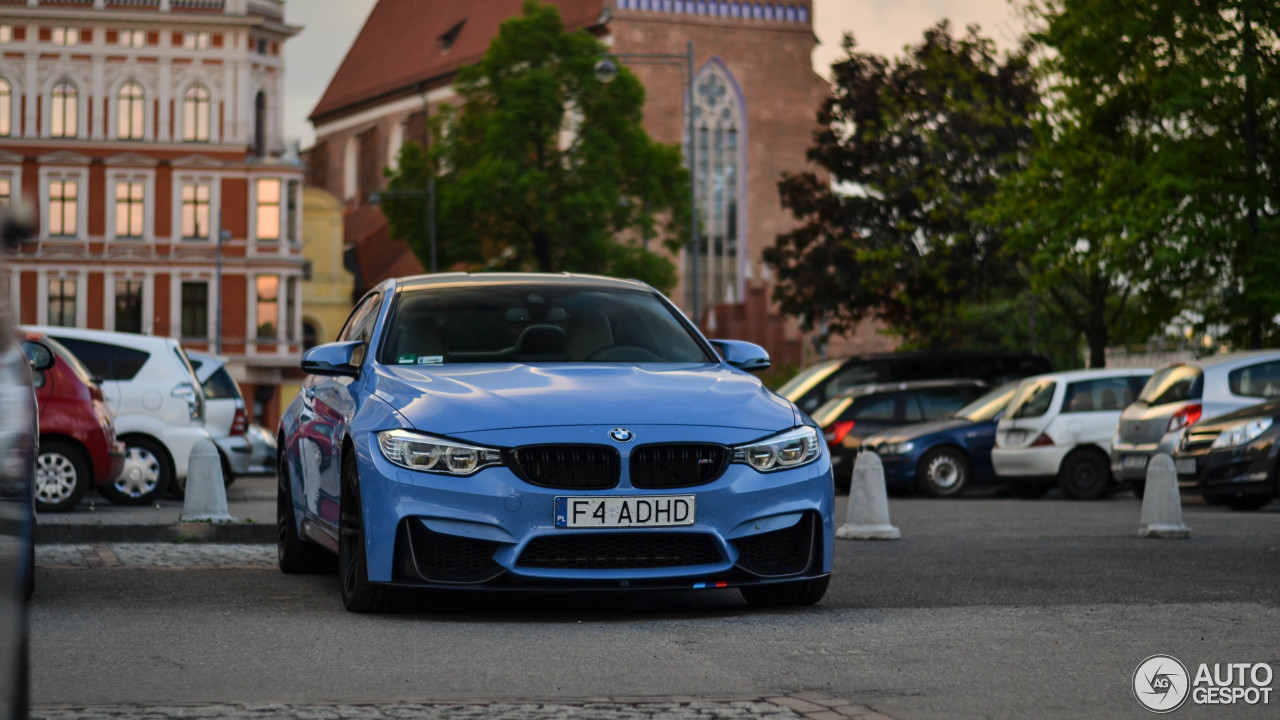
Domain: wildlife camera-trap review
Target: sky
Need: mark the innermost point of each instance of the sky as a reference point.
(880, 26)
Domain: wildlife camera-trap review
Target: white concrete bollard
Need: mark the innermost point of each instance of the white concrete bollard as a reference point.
(206, 499)
(868, 517)
(1161, 503)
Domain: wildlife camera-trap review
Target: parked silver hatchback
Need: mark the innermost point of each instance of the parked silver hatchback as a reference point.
(1180, 394)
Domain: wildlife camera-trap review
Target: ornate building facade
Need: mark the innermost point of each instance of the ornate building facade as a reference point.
(147, 134)
(754, 101)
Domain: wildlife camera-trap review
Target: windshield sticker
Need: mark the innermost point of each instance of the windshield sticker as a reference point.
(407, 360)
(430, 359)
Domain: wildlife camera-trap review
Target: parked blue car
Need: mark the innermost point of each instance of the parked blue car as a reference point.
(520, 431)
(943, 457)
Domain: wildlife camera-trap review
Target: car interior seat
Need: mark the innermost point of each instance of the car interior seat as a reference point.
(541, 343)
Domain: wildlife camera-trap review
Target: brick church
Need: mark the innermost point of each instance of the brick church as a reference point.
(755, 97)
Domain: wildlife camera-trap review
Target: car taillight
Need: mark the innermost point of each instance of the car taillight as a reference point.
(1184, 417)
(240, 423)
(837, 431)
(1042, 441)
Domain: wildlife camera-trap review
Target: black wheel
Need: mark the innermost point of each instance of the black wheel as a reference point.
(358, 594)
(1248, 504)
(801, 592)
(62, 476)
(1139, 488)
(148, 471)
(1085, 475)
(295, 555)
(943, 472)
(1030, 489)
(178, 488)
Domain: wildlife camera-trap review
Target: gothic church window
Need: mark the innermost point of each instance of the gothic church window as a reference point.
(718, 123)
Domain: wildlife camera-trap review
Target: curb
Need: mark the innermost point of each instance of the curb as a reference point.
(66, 533)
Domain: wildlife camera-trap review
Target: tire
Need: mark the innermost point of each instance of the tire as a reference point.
(1248, 504)
(62, 476)
(1031, 489)
(148, 472)
(358, 594)
(295, 555)
(943, 472)
(1085, 475)
(792, 594)
(178, 488)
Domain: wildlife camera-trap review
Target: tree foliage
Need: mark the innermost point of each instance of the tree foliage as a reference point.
(917, 146)
(543, 167)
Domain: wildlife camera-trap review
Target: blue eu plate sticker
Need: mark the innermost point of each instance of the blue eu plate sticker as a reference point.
(562, 511)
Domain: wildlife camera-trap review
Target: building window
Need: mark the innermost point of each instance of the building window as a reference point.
(130, 201)
(6, 192)
(268, 209)
(290, 308)
(260, 124)
(6, 108)
(6, 34)
(133, 38)
(63, 111)
(195, 309)
(718, 119)
(130, 116)
(62, 302)
(262, 46)
(195, 41)
(268, 306)
(291, 211)
(63, 207)
(195, 211)
(195, 114)
(66, 36)
(129, 306)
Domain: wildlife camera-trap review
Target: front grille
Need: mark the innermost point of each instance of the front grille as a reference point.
(781, 552)
(1195, 439)
(438, 557)
(677, 465)
(572, 467)
(616, 551)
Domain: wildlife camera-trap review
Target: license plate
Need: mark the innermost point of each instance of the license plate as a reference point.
(1013, 437)
(1137, 462)
(611, 512)
(1186, 466)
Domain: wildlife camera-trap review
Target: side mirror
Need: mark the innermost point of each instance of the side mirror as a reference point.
(742, 355)
(339, 359)
(39, 355)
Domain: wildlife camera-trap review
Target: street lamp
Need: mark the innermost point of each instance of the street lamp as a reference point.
(429, 195)
(605, 71)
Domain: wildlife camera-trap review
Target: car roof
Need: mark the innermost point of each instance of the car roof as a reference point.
(1091, 374)
(107, 336)
(462, 279)
(873, 388)
(1242, 357)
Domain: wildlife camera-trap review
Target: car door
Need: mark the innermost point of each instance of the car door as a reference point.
(1091, 410)
(327, 407)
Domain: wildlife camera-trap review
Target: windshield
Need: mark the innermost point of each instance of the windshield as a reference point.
(71, 360)
(1172, 384)
(1032, 399)
(531, 323)
(988, 406)
(809, 377)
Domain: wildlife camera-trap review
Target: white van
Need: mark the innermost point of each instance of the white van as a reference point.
(156, 402)
(1058, 428)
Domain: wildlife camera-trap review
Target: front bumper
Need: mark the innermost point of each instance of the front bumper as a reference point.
(1227, 473)
(1031, 462)
(1129, 460)
(494, 530)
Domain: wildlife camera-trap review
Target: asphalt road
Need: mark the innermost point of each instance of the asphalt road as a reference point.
(987, 607)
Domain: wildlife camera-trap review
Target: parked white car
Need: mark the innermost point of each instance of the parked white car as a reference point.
(1179, 395)
(155, 400)
(224, 416)
(1059, 427)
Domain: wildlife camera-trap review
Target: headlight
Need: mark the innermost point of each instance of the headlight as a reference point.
(422, 452)
(791, 449)
(1242, 433)
(902, 448)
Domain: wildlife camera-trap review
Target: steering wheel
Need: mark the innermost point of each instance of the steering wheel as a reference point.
(623, 353)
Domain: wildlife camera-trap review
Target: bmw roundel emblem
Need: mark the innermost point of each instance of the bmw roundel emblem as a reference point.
(621, 434)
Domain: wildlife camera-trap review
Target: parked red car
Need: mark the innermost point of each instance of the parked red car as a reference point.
(78, 445)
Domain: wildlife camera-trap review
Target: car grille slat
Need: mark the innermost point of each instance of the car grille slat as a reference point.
(570, 467)
(619, 551)
(677, 465)
(779, 553)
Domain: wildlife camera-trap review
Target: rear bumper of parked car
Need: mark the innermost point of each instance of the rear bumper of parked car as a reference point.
(494, 530)
(108, 466)
(1028, 462)
(1227, 473)
(180, 441)
(236, 449)
(1129, 460)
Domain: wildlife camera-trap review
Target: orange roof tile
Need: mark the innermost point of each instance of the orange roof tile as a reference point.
(400, 45)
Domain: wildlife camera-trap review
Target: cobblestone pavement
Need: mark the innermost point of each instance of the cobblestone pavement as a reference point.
(804, 706)
(156, 555)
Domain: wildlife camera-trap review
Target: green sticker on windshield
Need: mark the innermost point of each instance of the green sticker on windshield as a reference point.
(407, 359)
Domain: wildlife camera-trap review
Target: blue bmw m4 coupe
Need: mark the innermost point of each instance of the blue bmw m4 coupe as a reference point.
(547, 432)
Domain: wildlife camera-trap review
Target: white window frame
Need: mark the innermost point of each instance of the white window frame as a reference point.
(70, 35)
(280, 240)
(81, 177)
(148, 180)
(132, 39)
(15, 101)
(82, 106)
(214, 182)
(180, 112)
(12, 173)
(113, 111)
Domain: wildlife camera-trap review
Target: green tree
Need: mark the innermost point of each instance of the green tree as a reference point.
(1153, 188)
(543, 167)
(917, 145)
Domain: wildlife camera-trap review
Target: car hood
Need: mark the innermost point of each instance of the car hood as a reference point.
(917, 431)
(467, 398)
